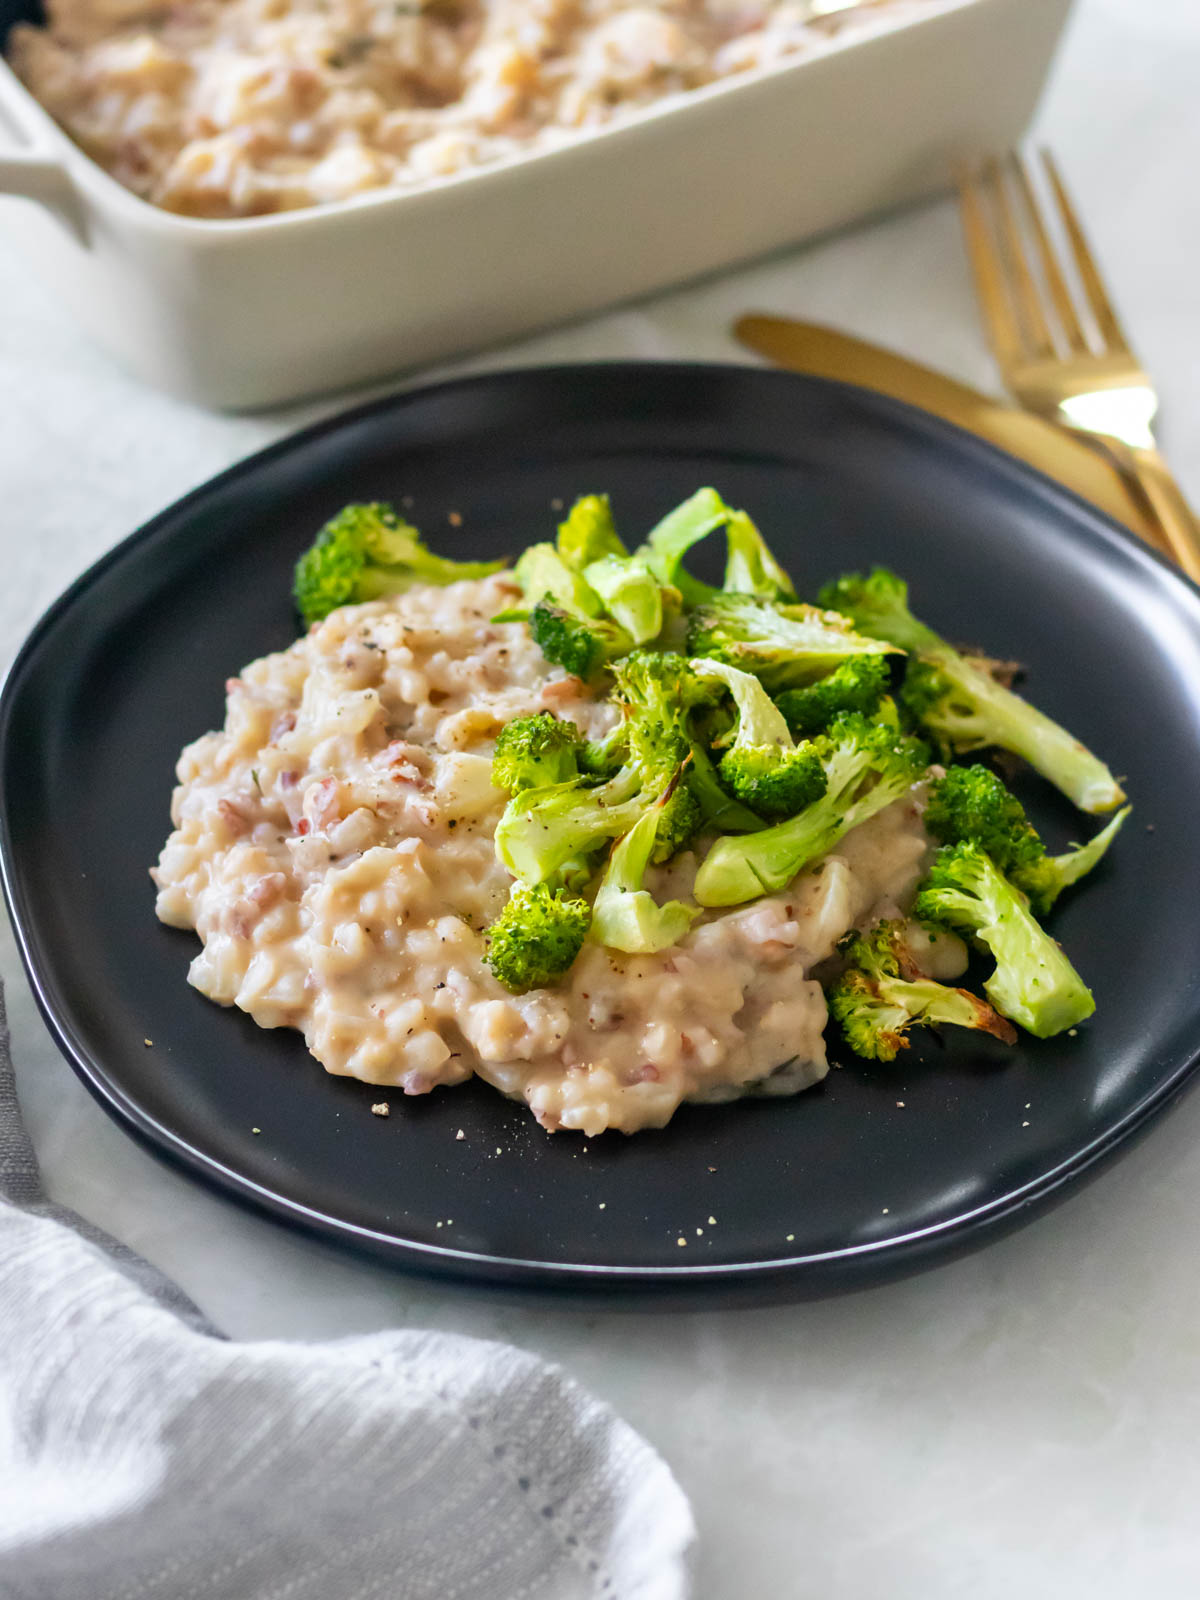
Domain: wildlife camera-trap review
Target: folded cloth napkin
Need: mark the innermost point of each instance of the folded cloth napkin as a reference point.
(145, 1457)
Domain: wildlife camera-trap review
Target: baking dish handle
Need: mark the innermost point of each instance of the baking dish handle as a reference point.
(34, 172)
(36, 177)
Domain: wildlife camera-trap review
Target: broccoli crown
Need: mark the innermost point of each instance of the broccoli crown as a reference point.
(536, 750)
(1034, 984)
(854, 749)
(867, 766)
(877, 1001)
(782, 645)
(878, 605)
(581, 645)
(366, 552)
(763, 768)
(537, 936)
(859, 684)
(625, 915)
(588, 532)
(965, 709)
(773, 782)
(972, 804)
(874, 1028)
(933, 696)
(603, 758)
(750, 567)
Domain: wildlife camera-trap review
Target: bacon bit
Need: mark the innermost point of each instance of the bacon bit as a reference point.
(323, 803)
(669, 965)
(646, 1073)
(282, 724)
(268, 890)
(560, 690)
(234, 816)
(303, 826)
(288, 780)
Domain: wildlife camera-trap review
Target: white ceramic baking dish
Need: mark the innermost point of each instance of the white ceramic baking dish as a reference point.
(257, 311)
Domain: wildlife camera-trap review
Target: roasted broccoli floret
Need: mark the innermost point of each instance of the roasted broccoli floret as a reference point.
(961, 705)
(867, 766)
(588, 533)
(659, 694)
(783, 645)
(366, 552)
(536, 750)
(579, 644)
(880, 996)
(625, 915)
(537, 936)
(765, 770)
(1034, 984)
(663, 699)
(750, 567)
(542, 829)
(859, 684)
(878, 605)
(567, 617)
(971, 804)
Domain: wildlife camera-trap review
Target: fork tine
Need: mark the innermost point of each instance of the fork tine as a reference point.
(1055, 282)
(1093, 284)
(1003, 334)
(1024, 288)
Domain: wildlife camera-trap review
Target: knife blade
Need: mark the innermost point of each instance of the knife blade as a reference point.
(825, 353)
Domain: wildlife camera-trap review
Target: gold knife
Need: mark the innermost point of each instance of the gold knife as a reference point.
(825, 353)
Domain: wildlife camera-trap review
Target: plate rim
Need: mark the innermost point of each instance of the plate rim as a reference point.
(808, 1272)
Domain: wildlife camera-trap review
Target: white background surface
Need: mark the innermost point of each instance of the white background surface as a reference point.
(1021, 1423)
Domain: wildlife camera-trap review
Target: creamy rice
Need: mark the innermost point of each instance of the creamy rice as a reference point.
(333, 849)
(233, 108)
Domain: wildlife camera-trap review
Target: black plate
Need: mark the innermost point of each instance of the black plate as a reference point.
(832, 1188)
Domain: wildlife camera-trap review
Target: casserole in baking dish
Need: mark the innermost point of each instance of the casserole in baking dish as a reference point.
(408, 263)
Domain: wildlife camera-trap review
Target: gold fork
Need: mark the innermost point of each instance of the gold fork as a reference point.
(1083, 377)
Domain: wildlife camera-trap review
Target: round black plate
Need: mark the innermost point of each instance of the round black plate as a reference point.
(832, 1188)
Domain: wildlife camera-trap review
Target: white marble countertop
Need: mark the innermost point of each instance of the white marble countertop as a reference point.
(1023, 1422)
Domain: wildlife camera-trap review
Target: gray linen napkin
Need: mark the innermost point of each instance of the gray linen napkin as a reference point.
(145, 1457)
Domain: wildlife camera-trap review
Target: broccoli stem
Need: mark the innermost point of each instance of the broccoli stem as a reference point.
(988, 714)
(670, 540)
(743, 868)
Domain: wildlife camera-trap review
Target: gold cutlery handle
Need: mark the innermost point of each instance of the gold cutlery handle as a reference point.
(1166, 499)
